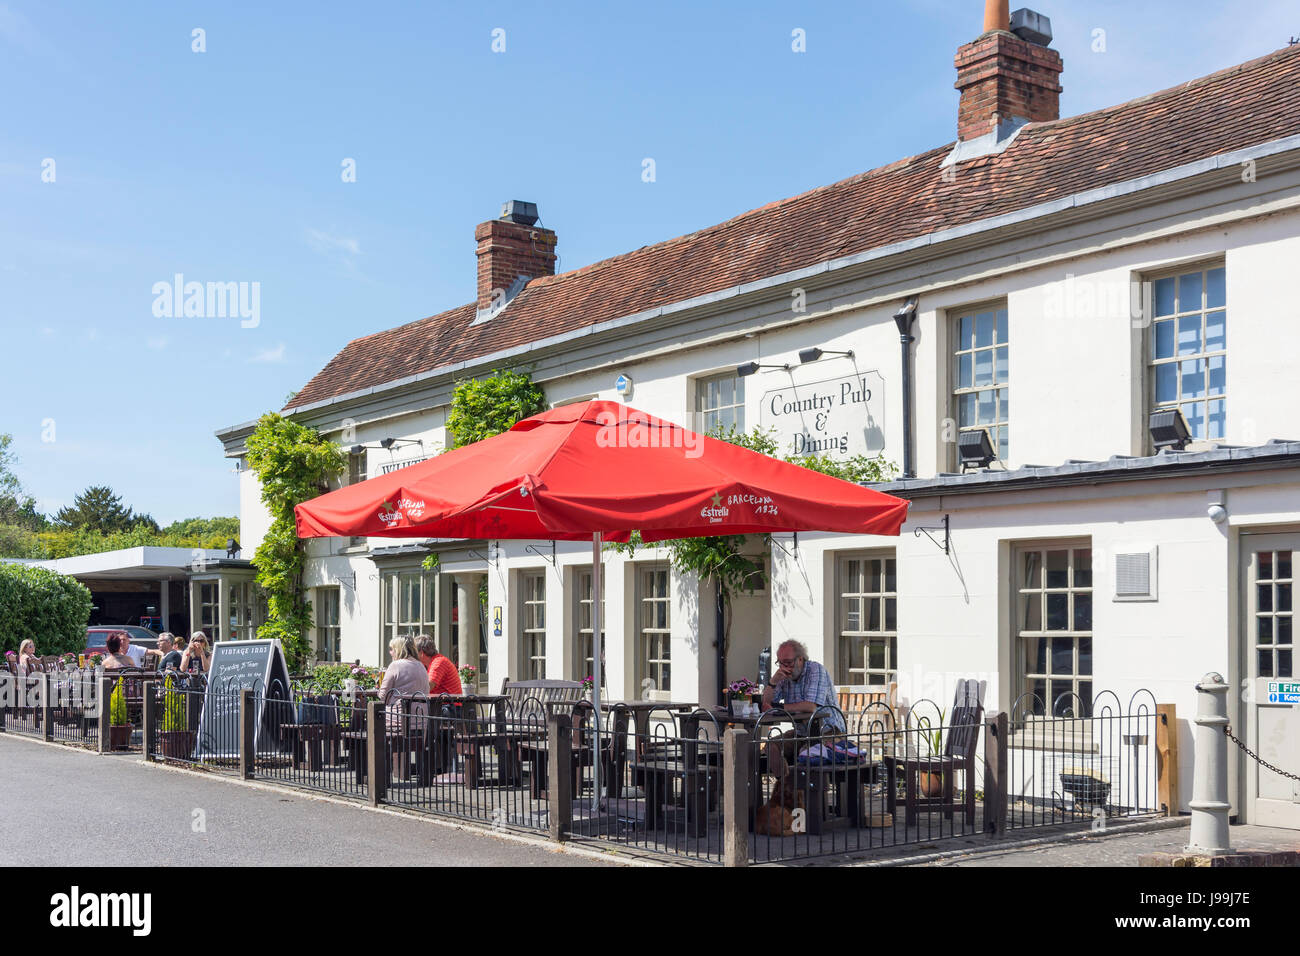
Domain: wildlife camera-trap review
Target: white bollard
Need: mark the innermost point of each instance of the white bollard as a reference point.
(1209, 802)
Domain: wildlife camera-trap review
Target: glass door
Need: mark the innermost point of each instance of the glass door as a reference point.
(1272, 701)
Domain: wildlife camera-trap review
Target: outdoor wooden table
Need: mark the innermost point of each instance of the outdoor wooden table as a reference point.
(655, 777)
(641, 711)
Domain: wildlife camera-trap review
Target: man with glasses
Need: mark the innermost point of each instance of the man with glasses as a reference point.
(800, 687)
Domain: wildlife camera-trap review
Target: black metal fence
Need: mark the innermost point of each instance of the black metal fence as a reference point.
(678, 781)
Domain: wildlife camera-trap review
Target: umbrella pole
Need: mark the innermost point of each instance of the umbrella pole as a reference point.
(597, 657)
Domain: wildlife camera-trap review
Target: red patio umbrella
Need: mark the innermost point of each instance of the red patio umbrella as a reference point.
(599, 470)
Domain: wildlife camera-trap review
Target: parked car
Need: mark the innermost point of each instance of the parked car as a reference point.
(97, 637)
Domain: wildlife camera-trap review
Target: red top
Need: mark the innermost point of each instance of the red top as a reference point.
(443, 676)
(599, 467)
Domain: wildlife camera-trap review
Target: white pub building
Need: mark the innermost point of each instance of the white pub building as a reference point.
(1013, 319)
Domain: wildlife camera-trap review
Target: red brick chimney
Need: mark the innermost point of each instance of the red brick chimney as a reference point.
(1008, 73)
(509, 248)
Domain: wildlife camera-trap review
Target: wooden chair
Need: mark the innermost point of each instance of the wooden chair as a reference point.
(856, 699)
(961, 734)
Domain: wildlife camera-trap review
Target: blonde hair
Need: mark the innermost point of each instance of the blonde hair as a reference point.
(399, 648)
(22, 648)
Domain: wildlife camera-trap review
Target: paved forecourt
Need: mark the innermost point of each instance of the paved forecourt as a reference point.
(66, 807)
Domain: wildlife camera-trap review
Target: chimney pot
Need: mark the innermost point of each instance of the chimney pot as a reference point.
(997, 15)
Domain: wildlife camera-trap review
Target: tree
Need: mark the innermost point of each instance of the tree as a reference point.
(17, 509)
(98, 509)
(50, 608)
(294, 464)
(481, 408)
(219, 527)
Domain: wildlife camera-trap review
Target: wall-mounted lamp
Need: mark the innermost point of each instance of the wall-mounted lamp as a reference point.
(749, 368)
(1169, 429)
(232, 548)
(387, 443)
(975, 448)
(813, 354)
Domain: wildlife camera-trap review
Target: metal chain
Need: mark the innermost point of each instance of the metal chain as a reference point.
(1254, 756)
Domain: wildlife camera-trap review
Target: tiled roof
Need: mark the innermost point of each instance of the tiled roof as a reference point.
(1253, 103)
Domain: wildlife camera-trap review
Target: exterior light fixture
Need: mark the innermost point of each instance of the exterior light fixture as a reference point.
(1169, 429)
(232, 547)
(975, 448)
(813, 354)
(388, 443)
(749, 368)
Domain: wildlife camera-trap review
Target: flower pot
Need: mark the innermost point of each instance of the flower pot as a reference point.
(119, 736)
(176, 744)
(929, 784)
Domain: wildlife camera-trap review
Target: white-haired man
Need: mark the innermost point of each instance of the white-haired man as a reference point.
(799, 686)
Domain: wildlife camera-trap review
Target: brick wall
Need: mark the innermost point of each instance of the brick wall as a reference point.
(510, 249)
(1002, 76)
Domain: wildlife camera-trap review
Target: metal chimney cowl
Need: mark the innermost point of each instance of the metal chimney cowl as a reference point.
(517, 210)
(1032, 27)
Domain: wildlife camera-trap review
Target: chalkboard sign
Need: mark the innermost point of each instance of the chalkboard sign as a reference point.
(237, 665)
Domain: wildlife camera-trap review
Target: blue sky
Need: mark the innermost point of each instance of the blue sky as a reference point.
(225, 166)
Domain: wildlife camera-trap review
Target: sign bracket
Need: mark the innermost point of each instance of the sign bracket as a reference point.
(946, 544)
(541, 554)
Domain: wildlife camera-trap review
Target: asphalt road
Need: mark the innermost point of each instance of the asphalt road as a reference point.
(135, 815)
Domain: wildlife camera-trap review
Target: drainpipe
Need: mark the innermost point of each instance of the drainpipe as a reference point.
(720, 624)
(904, 318)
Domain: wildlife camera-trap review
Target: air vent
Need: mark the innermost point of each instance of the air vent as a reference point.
(1135, 576)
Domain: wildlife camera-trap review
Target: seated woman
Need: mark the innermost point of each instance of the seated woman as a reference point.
(28, 662)
(405, 677)
(116, 659)
(197, 657)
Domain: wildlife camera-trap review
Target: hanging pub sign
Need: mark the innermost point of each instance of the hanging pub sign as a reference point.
(838, 417)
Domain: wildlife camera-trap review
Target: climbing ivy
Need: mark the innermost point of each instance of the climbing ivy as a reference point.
(294, 464)
(481, 408)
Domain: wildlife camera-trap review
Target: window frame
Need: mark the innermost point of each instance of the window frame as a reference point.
(532, 639)
(390, 626)
(700, 386)
(328, 632)
(646, 665)
(844, 673)
(583, 644)
(1150, 362)
(1022, 676)
(954, 352)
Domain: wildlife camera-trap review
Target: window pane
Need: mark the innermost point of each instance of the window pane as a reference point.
(1189, 292)
(1283, 597)
(891, 614)
(984, 367)
(1216, 331)
(1216, 295)
(1083, 612)
(1164, 339)
(1265, 597)
(983, 330)
(1265, 663)
(891, 575)
(1284, 630)
(1264, 630)
(986, 407)
(1002, 406)
(966, 335)
(1058, 612)
(873, 614)
(1265, 572)
(964, 371)
(852, 614)
(1033, 616)
(966, 409)
(1001, 443)
(1194, 412)
(1218, 375)
(1058, 569)
(1062, 655)
(1002, 325)
(1166, 383)
(1284, 564)
(1002, 366)
(1164, 296)
(1083, 567)
(1189, 335)
(1085, 655)
(876, 655)
(873, 577)
(1032, 578)
(1193, 378)
(1284, 664)
(1216, 419)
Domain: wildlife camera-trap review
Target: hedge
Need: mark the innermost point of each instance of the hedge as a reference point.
(50, 608)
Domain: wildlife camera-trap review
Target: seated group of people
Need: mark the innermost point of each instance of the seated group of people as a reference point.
(418, 669)
(173, 654)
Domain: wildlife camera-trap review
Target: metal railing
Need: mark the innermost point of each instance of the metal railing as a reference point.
(316, 742)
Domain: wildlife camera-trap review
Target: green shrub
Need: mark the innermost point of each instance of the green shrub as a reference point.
(50, 608)
(173, 715)
(117, 715)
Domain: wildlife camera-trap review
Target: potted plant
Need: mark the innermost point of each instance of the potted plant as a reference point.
(68, 661)
(739, 694)
(468, 678)
(930, 782)
(119, 732)
(175, 739)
